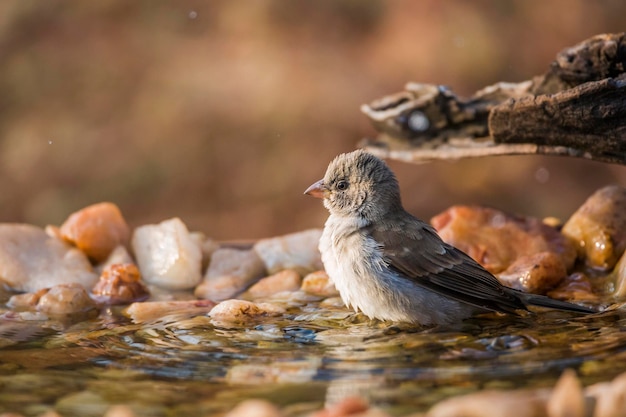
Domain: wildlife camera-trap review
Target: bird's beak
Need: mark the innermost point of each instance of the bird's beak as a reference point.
(317, 190)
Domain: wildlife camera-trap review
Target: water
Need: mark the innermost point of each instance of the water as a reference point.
(182, 365)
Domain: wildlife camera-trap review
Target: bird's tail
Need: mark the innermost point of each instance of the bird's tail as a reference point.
(543, 301)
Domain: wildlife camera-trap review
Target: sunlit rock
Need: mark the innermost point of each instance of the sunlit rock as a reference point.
(494, 404)
(567, 399)
(241, 310)
(153, 310)
(65, 299)
(167, 255)
(598, 227)
(496, 239)
(349, 406)
(120, 284)
(31, 260)
(230, 272)
(318, 283)
(575, 287)
(296, 371)
(297, 251)
(287, 280)
(618, 277)
(537, 273)
(610, 397)
(96, 230)
(255, 408)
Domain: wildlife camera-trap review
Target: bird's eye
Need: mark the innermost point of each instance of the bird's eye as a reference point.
(342, 185)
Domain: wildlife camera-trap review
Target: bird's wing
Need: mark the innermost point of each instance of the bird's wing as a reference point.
(416, 252)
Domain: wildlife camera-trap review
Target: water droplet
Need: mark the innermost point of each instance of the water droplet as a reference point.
(542, 175)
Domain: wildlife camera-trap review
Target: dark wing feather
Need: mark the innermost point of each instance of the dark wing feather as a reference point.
(415, 251)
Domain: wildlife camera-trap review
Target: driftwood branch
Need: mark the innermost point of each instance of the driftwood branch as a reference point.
(578, 108)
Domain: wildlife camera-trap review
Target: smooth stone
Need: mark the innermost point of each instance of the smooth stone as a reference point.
(319, 283)
(298, 251)
(598, 227)
(31, 260)
(65, 299)
(96, 230)
(230, 272)
(167, 255)
(537, 273)
(241, 310)
(287, 280)
(496, 239)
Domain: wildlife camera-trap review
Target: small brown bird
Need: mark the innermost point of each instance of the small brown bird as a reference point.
(392, 266)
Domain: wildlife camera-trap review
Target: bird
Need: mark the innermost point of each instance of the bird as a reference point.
(392, 266)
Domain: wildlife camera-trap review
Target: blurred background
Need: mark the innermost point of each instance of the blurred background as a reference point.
(222, 112)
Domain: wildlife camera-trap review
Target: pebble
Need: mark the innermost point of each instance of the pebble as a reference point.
(496, 239)
(255, 408)
(120, 284)
(298, 251)
(230, 272)
(31, 260)
(575, 287)
(65, 299)
(146, 311)
(96, 230)
(119, 255)
(499, 404)
(319, 283)
(241, 310)
(598, 227)
(537, 273)
(567, 399)
(167, 255)
(287, 280)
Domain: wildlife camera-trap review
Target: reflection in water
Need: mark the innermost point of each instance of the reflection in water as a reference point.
(310, 357)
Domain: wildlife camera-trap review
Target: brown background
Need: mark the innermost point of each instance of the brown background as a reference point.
(223, 112)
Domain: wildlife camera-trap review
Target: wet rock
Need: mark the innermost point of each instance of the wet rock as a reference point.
(575, 287)
(298, 251)
(241, 310)
(27, 300)
(618, 277)
(96, 230)
(167, 255)
(349, 406)
(297, 371)
(496, 239)
(119, 411)
(230, 272)
(492, 403)
(318, 283)
(153, 310)
(255, 408)
(610, 397)
(567, 399)
(120, 284)
(537, 273)
(287, 280)
(65, 299)
(598, 227)
(30, 260)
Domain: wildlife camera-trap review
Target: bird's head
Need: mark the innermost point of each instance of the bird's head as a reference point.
(358, 183)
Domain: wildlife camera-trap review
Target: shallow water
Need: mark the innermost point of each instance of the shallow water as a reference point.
(183, 365)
